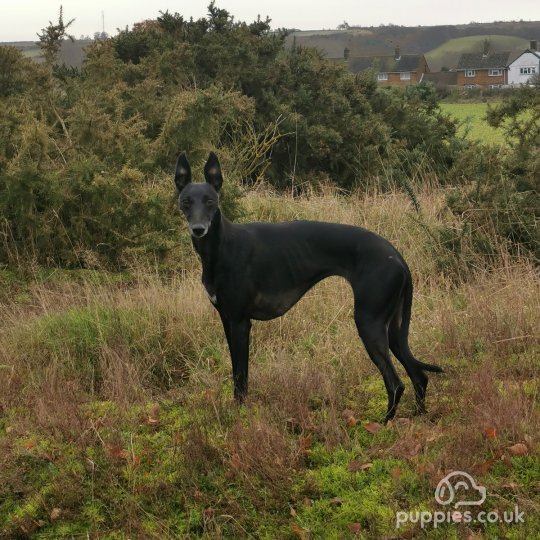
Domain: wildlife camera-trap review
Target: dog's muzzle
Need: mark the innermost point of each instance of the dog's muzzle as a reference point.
(198, 231)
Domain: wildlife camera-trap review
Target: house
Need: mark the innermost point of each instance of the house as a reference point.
(392, 70)
(483, 70)
(525, 66)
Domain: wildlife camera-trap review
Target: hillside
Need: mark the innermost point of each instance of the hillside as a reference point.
(71, 53)
(448, 53)
(419, 39)
(441, 44)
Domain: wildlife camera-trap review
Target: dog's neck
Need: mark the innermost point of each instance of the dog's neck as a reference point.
(208, 246)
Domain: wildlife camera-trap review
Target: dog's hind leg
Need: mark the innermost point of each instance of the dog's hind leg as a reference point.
(398, 333)
(374, 335)
(418, 378)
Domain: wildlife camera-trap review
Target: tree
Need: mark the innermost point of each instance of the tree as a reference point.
(51, 37)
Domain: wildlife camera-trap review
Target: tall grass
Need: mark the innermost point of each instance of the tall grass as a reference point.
(116, 403)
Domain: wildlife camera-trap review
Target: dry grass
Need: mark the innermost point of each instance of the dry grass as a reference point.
(84, 364)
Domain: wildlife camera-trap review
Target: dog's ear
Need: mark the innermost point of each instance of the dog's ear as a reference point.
(212, 172)
(182, 175)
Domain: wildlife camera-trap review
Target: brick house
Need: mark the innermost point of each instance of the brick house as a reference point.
(392, 70)
(483, 70)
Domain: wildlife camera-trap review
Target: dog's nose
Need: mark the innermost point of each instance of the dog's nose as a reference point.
(198, 231)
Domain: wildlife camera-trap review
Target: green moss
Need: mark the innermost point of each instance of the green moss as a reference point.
(526, 471)
(341, 497)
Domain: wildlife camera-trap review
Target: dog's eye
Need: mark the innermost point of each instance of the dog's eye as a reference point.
(210, 202)
(185, 204)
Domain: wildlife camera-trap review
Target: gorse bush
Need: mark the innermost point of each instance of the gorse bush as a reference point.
(86, 155)
(500, 187)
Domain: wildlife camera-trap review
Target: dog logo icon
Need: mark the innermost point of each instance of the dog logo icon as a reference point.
(458, 485)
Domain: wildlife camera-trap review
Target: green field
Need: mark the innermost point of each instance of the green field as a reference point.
(473, 123)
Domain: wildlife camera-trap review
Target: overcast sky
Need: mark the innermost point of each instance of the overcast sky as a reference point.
(22, 19)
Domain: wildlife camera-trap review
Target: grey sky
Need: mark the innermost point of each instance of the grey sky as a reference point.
(21, 19)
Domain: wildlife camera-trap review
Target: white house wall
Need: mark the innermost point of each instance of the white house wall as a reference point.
(526, 60)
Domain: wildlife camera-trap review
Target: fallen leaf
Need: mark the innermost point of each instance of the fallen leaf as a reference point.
(355, 528)
(208, 513)
(415, 449)
(55, 514)
(307, 502)
(118, 452)
(355, 466)
(351, 421)
(372, 427)
(518, 449)
(483, 468)
(302, 533)
(490, 433)
(347, 413)
(29, 445)
(395, 473)
(304, 444)
(153, 415)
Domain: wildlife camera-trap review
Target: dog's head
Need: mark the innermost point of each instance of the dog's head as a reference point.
(198, 202)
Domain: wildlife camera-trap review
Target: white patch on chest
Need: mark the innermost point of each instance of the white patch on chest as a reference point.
(211, 294)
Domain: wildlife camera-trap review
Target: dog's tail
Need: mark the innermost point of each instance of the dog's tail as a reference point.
(404, 330)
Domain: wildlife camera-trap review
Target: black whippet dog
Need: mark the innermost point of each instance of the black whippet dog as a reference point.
(260, 270)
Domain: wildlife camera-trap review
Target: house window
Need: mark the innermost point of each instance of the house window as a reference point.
(495, 72)
(470, 86)
(495, 86)
(470, 73)
(527, 71)
(382, 77)
(405, 76)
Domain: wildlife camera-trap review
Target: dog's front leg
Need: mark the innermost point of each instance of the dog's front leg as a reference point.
(239, 348)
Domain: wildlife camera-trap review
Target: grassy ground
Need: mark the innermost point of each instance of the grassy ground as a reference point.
(116, 416)
(473, 123)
